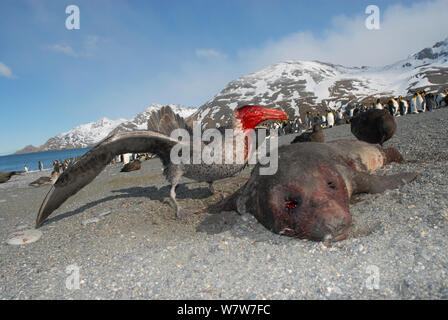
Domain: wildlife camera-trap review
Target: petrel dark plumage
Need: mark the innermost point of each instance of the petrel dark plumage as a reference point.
(158, 142)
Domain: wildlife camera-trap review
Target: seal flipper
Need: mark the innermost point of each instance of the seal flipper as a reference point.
(230, 203)
(239, 200)
(366, 183)
(392, 155)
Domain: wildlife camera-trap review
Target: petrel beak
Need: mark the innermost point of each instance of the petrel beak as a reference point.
(273, 114)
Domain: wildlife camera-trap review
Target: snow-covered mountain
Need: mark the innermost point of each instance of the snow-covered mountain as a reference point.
(82, 136)
(91, 133)
(294, 86)
(298, 86)
(139, 122)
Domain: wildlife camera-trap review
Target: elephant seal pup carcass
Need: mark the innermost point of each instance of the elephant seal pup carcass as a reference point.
(131, 166)
(42, 181)
(374, 126)
(309, 195)
(316, 135)
(6, 175)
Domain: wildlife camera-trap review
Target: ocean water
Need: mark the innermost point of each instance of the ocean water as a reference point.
(16, 162)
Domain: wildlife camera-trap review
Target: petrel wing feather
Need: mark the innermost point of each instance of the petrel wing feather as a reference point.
(165, 121)
(83, 171)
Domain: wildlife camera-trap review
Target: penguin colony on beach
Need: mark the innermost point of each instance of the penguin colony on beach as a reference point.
(382, 127)
(60, 166)
(419, 102)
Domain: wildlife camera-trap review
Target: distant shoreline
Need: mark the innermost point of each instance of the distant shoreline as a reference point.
(21, 151)
(15, 162)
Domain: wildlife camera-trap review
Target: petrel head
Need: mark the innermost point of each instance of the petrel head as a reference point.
(251, 115)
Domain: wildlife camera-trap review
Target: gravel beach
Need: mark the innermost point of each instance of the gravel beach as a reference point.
(121, 234)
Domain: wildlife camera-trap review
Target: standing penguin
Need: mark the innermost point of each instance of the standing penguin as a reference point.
(350, 111)
(430, 100)
(413, 105)
(339, 115)
(393, 107)
(323, 119)
(288, 128)
(404, 106)
(421, 104)
(308, 120)
(440, 99)
(330, 118)
(297, 124)
(378, 105)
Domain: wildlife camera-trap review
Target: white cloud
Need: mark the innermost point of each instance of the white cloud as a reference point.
(5, 71)
(88, 47)
(63, 48)
(210, 53)
(404, 30)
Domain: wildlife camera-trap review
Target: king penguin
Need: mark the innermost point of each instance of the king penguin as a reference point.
(330, 118)
(413, 105)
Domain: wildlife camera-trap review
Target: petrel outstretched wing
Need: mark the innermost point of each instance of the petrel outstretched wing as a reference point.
(165, 121)
(83, 171)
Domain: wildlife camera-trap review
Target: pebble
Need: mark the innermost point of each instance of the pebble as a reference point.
(334, 290)
(24, 237)
(276, 267)
(105, 213)
(91, 220)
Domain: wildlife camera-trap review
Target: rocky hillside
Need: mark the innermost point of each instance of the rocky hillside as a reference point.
(28, 149)
(139, 122)
(298, 86)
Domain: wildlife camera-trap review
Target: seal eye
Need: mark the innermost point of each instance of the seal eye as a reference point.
(291, 203)
(331, 185)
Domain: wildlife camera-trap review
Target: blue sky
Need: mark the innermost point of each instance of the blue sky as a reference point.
(129, 54)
